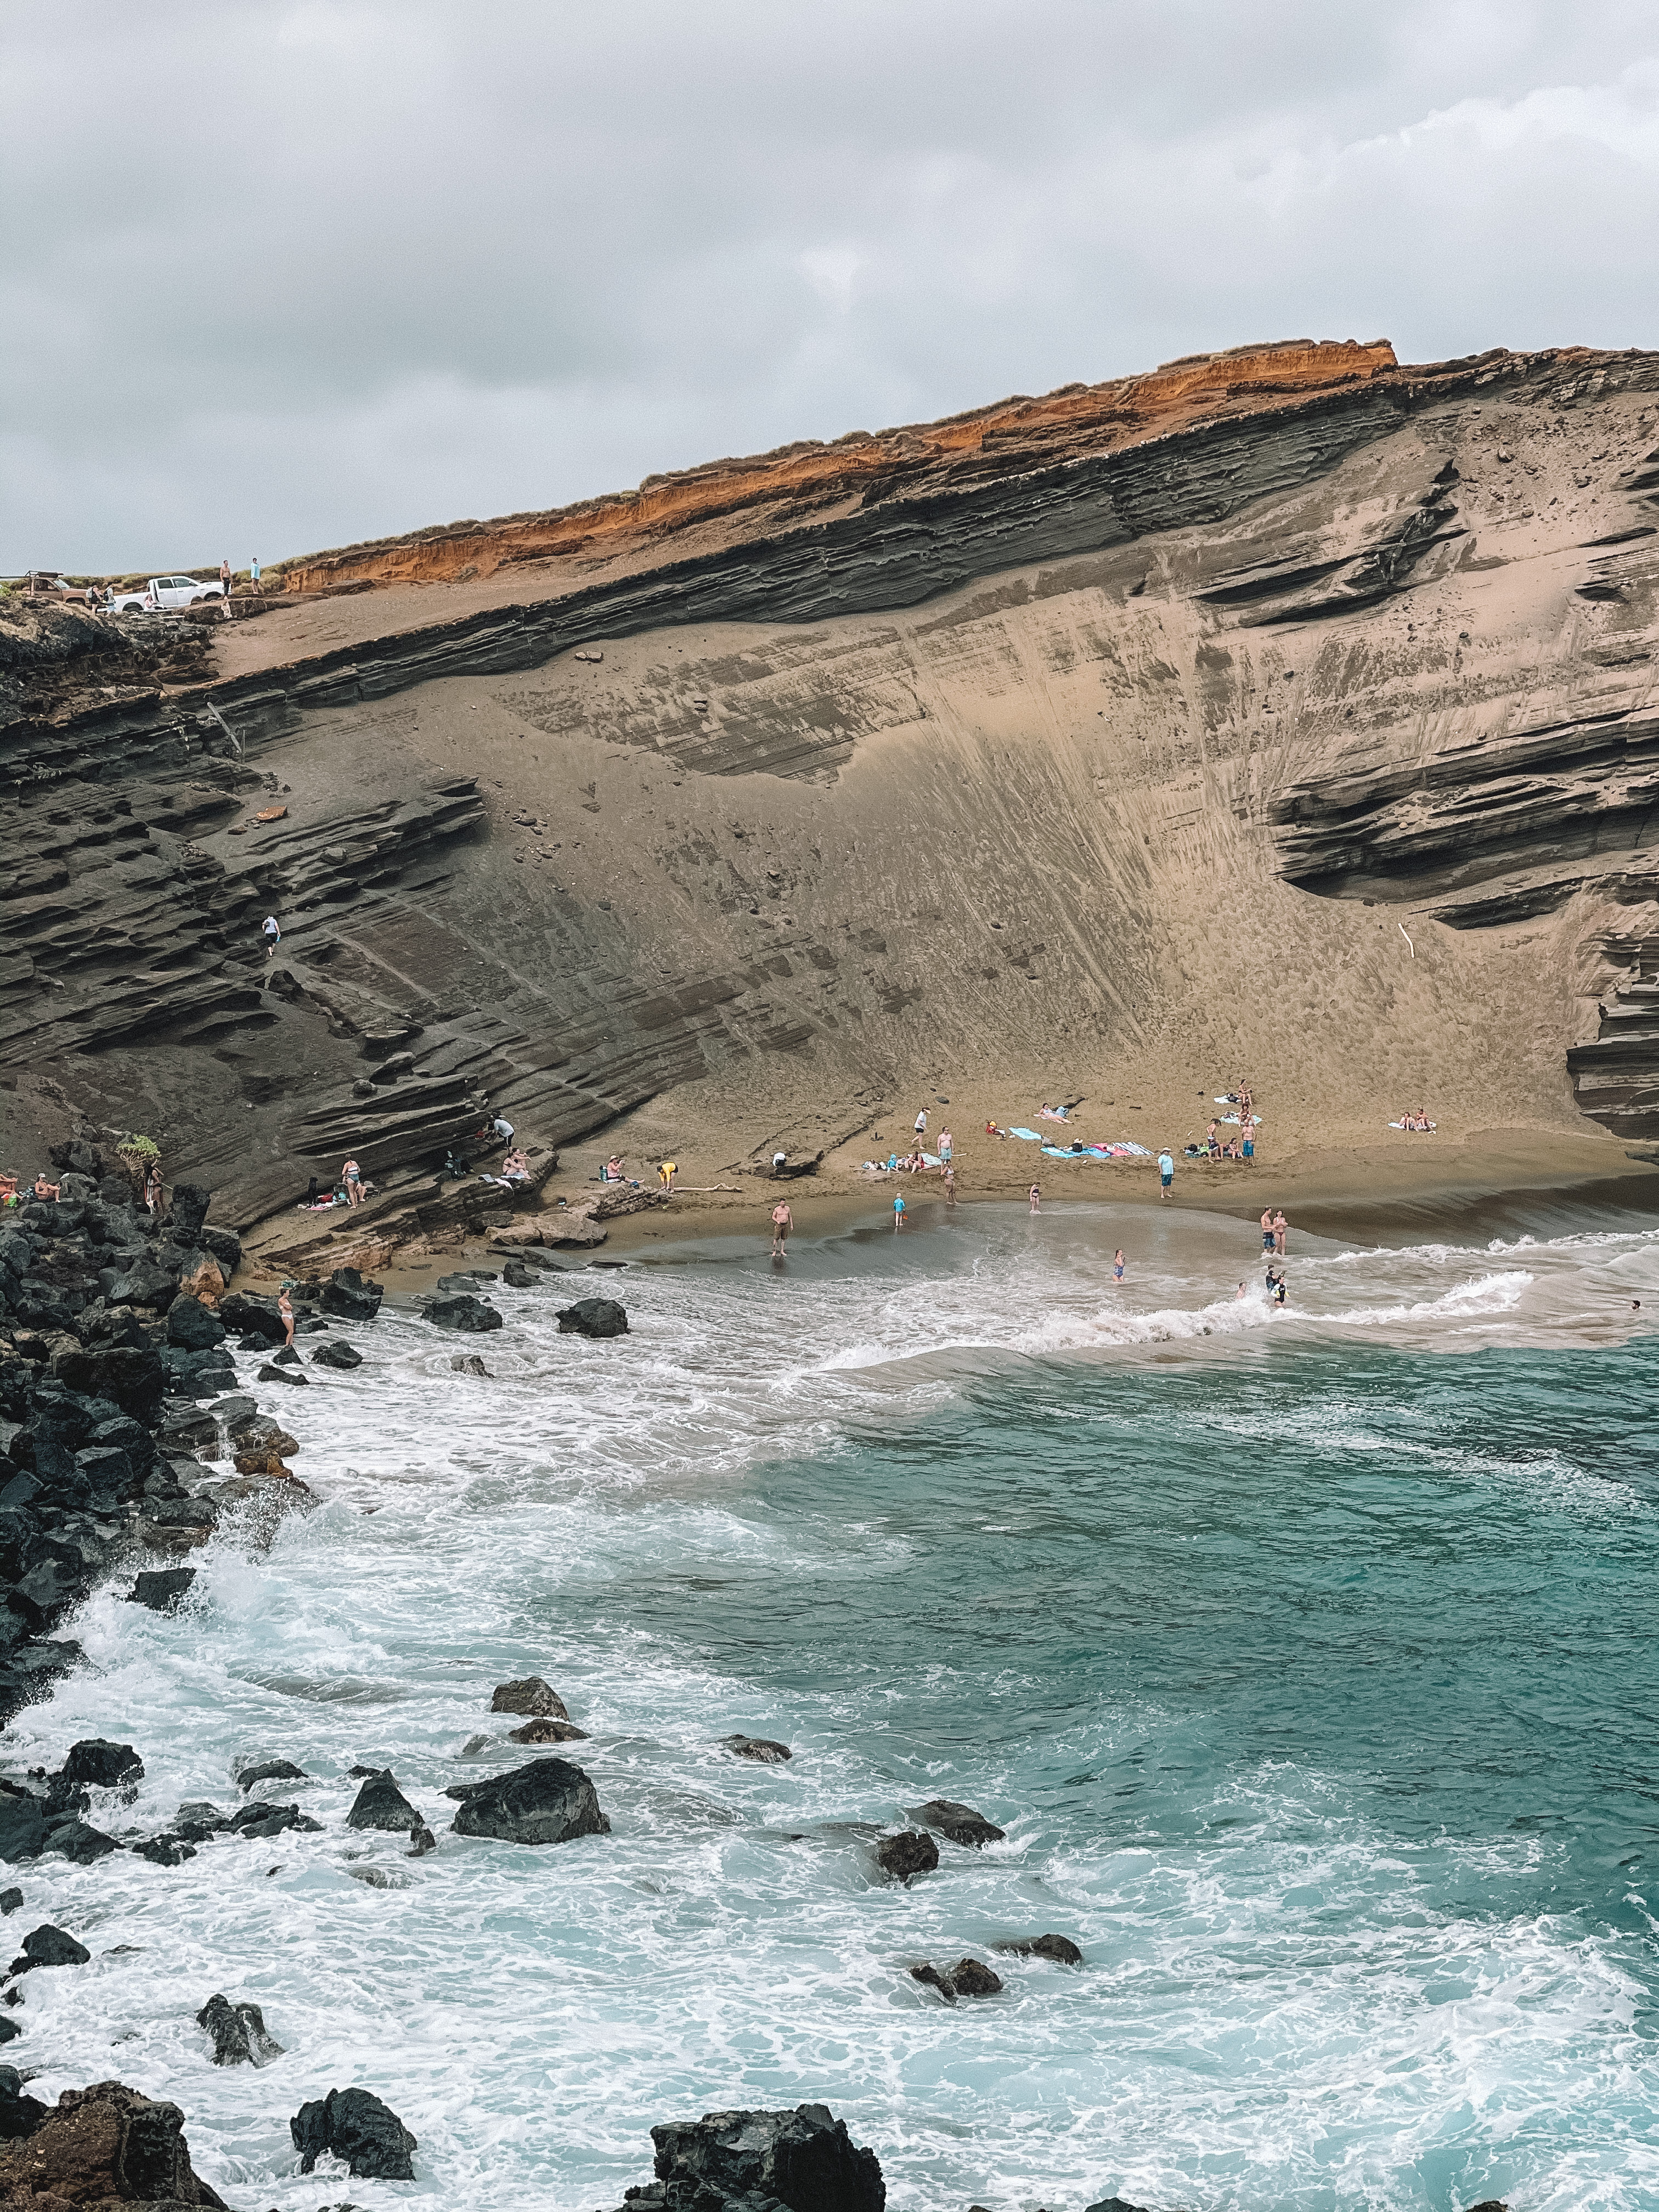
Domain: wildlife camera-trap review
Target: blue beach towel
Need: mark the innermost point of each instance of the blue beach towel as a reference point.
(1029, 1136)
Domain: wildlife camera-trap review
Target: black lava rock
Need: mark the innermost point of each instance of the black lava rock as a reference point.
(10, 1900)
(549, 1801)
(239, 2033)
(271, 1373)
(1060, 1948)
(545, 1730)
(161, 1588)
(356, 2126)
(1122, 2204)
(260, 1822)
(47, 1945)
(270, 1769)
(382, 1804)
(760, 1748)
(533, 1695)
(465, 1312)
(22, 1828)
(421, 1841)
(350, 1296)
(911, 1852)
(594, 1317)
(959, 1822)
(99, 1765)
(336, 1354)
(191, 1326)
(804, 2159)
(518, 1277)
(73, 1839)
(971, 1977)
(20, 2115)
(250, 1315)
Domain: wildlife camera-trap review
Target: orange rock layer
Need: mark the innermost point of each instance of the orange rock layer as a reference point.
(808, 477)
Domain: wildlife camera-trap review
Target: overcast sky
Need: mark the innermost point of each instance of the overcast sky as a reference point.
(278, 277)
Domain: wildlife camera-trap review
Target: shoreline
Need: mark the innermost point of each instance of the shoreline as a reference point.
(1493, 1181)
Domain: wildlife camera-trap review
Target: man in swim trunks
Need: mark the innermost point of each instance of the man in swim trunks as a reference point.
(1267, 1229)
(1166, 1169)
(782, 1222)
(1036, 1198)
(1117, 1264)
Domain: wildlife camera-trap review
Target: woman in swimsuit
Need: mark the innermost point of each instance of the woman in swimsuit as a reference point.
(352, 1176)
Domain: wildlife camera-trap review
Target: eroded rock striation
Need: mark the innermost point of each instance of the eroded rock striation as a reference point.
(797, 774)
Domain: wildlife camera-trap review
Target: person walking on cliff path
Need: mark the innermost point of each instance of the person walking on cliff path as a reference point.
(782, 1222)
(224, 585)
(253, 573)
(1166, 1169)
(273, 934)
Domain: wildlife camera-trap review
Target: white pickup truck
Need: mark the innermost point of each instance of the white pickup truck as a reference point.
(162, 594)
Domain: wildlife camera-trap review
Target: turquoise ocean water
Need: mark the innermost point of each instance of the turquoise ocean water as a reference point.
(1308, 1659)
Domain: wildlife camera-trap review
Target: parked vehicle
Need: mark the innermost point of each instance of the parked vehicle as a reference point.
(164, 593)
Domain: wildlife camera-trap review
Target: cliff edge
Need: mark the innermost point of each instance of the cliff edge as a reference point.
(1286, 712)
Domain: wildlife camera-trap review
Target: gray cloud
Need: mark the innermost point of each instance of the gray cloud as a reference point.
(282, 275)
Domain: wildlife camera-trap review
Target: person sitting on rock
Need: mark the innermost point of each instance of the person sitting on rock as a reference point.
(43, 1189)
(456, 1170)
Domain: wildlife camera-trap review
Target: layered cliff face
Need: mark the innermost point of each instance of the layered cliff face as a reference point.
(1290, 711)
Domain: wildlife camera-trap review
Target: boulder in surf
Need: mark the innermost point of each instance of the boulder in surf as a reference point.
(549, 1801)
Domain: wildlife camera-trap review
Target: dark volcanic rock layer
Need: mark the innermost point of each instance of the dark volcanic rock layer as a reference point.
(898, 753)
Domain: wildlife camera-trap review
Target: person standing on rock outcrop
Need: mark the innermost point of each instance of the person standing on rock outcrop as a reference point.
(273, 934)
(224, 582)
(154, 1194)
(285, 1310)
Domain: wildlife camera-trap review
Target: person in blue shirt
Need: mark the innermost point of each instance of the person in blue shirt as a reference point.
(1166, 1169)
(898, 1214)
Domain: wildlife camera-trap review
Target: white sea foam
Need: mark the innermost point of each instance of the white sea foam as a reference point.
(1286, 2003)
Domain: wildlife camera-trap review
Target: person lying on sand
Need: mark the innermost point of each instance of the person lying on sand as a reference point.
(1051, 1112)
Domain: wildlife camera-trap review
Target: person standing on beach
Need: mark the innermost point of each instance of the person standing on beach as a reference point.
(950, 1184)
(920, 1126)
(1166, 1169)
(1281, 1226)
(1036, 1198)
(285, 1311)
(1267, 1229)
(898, 1214)
(352, 1176)
(945, 1148)
(1118, 1264)
(782, 1222)
(667, 1173)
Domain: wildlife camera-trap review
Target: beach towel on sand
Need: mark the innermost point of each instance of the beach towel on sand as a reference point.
(1029, 1136)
